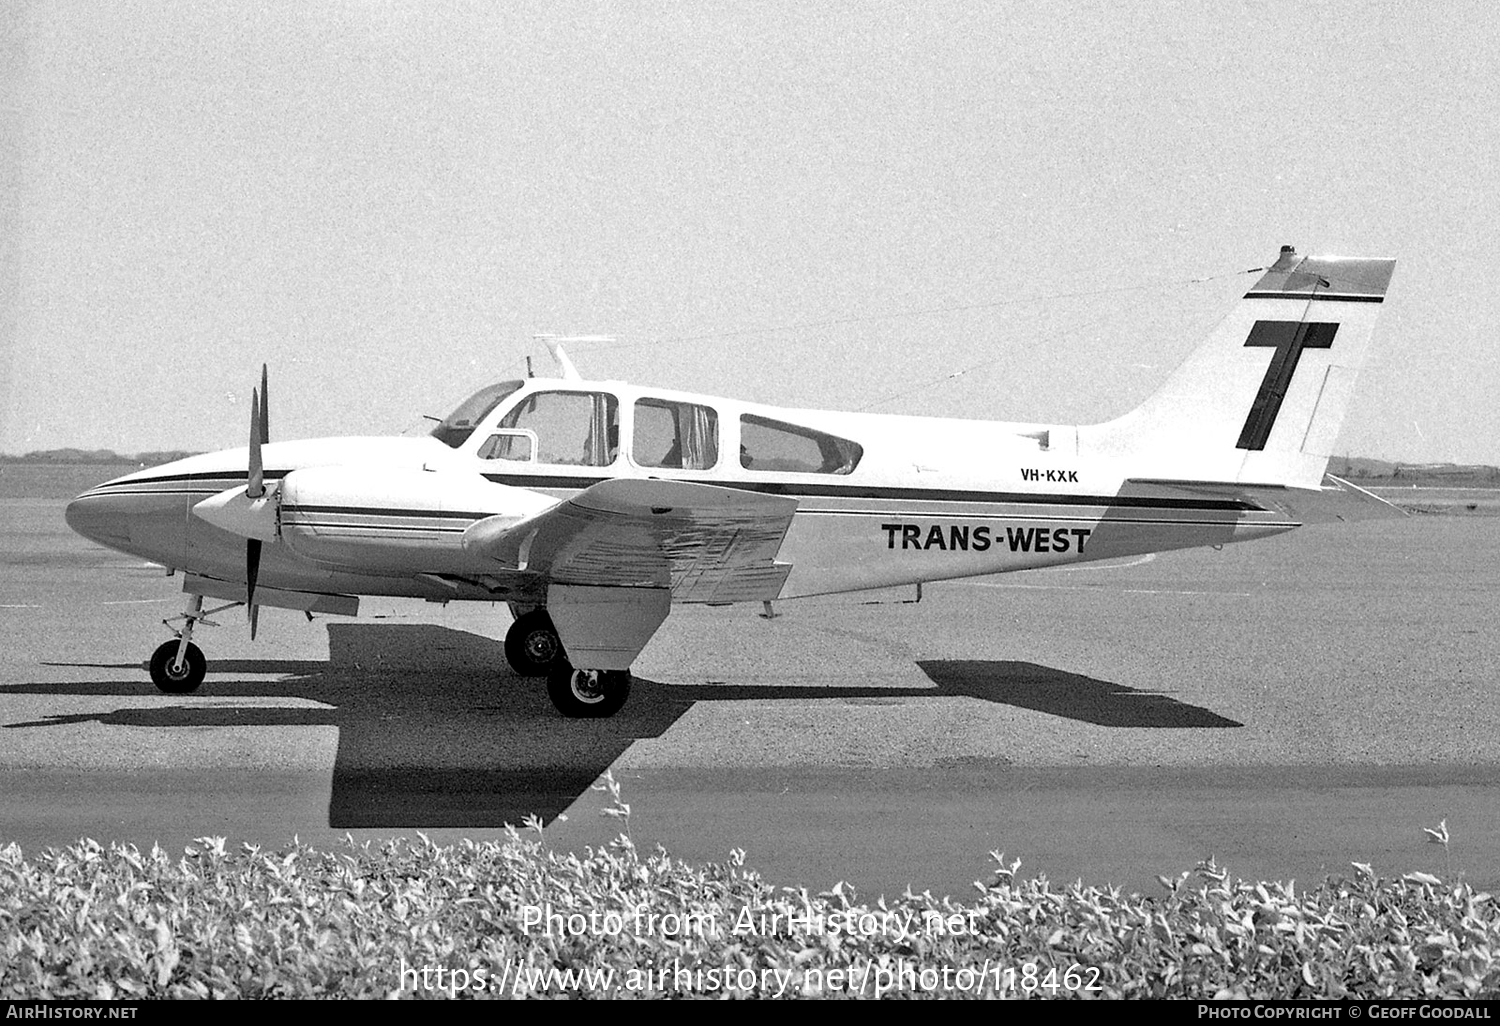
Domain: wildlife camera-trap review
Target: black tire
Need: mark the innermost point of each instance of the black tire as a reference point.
(532, 646)
(179, 682)
(588, 694)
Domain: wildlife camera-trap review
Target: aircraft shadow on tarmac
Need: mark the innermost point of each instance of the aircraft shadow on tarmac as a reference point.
(435, 731)
(1072, 695)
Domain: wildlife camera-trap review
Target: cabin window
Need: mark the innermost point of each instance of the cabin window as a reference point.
(514, 444)
(580, 429)
(675, 436)
(454, 430)
(774, 446)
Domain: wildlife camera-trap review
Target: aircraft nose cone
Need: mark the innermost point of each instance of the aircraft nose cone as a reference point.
(98, 519)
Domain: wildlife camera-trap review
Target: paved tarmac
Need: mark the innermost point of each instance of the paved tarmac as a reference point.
(1285, 706)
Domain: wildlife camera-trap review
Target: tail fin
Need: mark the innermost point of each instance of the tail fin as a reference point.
(1262, 400)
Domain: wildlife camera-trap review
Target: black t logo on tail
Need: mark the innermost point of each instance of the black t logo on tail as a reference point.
(1288, 338)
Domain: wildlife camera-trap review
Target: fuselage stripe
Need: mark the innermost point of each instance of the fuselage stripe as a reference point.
(800, 490)
(795, 491)
(99, 493)
(327, 526)
(928, 514)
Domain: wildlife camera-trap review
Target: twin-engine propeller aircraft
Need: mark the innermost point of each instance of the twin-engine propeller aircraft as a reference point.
(591, 506)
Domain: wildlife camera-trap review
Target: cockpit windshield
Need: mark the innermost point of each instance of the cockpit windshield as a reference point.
(456, 428)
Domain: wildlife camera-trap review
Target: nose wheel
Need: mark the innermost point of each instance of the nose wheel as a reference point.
(178, 668)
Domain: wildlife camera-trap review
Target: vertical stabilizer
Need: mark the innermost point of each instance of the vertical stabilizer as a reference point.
(1262, 400)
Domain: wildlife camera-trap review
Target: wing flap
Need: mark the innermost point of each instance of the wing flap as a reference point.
(705, 543)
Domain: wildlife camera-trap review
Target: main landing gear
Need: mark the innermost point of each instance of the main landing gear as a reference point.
(178, 667)
(588, 694)
(533, 649)
(532, 646)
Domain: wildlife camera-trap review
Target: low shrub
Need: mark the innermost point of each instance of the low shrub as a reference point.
(511, 919)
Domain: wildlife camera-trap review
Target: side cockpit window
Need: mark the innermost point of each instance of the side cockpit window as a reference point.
(580, 429)
(675, 436)
(774, 446)
(454, 430)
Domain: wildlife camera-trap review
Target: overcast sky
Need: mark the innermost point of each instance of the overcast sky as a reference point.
(385, 201)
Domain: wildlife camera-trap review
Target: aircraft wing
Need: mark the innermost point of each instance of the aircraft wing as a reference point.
(705, 543)
(1336, 501)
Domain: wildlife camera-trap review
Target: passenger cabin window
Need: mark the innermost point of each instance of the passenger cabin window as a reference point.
(771, 445)
(513, 445)
(676, 436)
(454, 430)
(580, 429)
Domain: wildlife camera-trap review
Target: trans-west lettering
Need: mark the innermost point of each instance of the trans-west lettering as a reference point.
(964, 538)
(1052, 476)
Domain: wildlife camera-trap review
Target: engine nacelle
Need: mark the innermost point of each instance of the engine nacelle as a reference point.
(379, 520)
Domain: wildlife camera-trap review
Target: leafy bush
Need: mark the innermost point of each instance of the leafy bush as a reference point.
(95, 922)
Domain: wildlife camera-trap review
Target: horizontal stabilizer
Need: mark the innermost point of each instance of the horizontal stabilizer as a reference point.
(1337, 501)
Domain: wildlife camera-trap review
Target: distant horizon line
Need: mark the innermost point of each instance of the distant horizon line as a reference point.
(79, 455)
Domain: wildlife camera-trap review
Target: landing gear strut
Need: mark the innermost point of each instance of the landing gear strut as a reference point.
(178, 667)
(588, 694)
(532, 646)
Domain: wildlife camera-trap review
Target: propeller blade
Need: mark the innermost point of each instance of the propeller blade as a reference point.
(255, 484)
(252, 572)
(265, 406)
(255, 487)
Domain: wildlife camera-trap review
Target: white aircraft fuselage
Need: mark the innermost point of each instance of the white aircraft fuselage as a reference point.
(931, 499)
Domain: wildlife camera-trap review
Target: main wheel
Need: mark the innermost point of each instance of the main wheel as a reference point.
(177, 680)
(532, 646)
(588, 694)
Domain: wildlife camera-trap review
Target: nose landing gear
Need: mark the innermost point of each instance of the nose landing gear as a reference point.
(178, 667)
